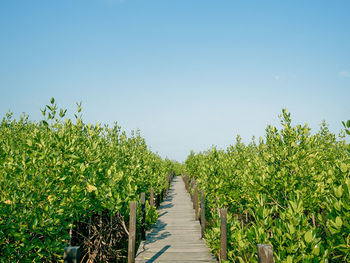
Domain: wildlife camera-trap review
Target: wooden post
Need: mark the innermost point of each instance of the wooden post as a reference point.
(71, 255)
(193, 181)
(186, 182)
(158, 200)
(143, 214)
(202, 213)
(195, 201)
(192, 194)
(168, 186)
(223, 235)
(265, 253)
(132, 233)
(151, 197)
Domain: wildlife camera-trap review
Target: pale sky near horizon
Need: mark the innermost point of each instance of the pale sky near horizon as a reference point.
(189, 74)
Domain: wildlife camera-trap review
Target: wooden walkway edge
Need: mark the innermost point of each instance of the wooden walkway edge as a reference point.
(176, 236)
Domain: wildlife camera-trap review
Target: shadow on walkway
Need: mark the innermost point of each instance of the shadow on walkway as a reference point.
(158, 254)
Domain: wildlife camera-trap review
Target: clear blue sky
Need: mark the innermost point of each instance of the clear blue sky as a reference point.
(187, 73)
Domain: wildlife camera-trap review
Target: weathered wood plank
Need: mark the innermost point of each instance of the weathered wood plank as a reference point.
(132, 232)
(143, 215)
(176, 237)
(151, 197)
(223, 234)
(176, 255)
(265, 253)
(203, 221)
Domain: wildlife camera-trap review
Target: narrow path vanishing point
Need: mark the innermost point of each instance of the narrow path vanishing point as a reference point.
(176, 236)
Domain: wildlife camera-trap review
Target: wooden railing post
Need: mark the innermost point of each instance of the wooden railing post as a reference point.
(223, 235)
(71, 255)
(151, 197)
(193, 181)
(132, 232)
(192, 185)
(143, 213)
(265, 253)
(186, 183)
(158, 200)
(162, 195)
(195, 201)
(168, 186)
(203, 213)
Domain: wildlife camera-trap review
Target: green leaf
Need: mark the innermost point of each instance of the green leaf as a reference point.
(289, 259)
(30, 143)
(291, 229)
(316, 250)
(308, 236)
(338, 222)
(339, 191)
(343, 167)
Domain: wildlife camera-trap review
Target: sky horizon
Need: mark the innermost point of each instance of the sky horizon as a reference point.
(188, 74)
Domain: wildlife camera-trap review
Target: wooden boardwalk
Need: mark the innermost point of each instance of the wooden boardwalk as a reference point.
(176, 237)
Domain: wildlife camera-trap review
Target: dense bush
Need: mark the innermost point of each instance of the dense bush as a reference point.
(291, 190)
(63, 179)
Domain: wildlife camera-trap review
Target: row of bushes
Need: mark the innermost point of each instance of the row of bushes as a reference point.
(290, 190)
(66, 182)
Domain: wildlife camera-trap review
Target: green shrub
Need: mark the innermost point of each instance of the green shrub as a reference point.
(57, 174)
(291, 190)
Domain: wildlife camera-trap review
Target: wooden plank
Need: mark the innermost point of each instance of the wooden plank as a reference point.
(143, 216)
(223, 234)
(265, 253)
(151, 197)
(176, 236)
(132, 232)
(192, 194)
(176, 226)
(175, 255)
(203, 222)
(195, 201)
(158, 200)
